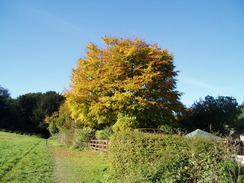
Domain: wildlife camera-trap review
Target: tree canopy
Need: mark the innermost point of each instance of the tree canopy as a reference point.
(4, 106)
(126, 78)
(239, 124)
(27, 112)
(213, 115)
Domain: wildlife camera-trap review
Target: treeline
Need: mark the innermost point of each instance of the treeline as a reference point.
(26, 113)
(221, 115)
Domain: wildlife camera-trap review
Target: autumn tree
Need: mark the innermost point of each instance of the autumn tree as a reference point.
(126, 78)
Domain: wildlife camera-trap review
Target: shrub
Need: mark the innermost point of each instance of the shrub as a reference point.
(104, 134)
(64, 138)
(75, 138)
(125, 122)
(81, 137)
(167, 129)
(141, 157)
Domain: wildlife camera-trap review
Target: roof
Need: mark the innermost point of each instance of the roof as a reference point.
(201, 133)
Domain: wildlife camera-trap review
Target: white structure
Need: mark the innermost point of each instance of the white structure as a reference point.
(201, 133)
(240, 159)
(242, 137)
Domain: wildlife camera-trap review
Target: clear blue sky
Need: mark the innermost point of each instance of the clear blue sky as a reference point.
(41, 41)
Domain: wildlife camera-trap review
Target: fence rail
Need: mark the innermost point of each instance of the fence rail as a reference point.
(99, 145)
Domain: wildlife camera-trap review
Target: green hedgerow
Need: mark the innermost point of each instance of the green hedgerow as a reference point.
(142, 157)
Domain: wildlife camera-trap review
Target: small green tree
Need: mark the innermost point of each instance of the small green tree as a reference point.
(61, 121)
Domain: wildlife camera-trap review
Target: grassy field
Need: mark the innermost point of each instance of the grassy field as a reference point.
(32, 159)
(24, 159)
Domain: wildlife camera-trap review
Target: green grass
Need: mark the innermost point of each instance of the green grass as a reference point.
(74, 166)
(31, 159)
(24, 159)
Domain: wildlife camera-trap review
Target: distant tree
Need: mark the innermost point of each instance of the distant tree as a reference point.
(4, 107)
(128, 77)
(29, 111)
(4, 93)
(240, 120)
(25, 106)
(212, 114)
(4, 96)
(50, 102)
(47, 104)
(242, 110)
(61, 121)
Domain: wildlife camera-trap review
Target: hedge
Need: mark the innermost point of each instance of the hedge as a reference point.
(142, 157)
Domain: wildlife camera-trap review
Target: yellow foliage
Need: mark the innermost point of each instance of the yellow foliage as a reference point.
(129, 77)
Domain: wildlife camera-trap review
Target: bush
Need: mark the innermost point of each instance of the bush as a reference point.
(64, 138)
(125, 122)
(104, 134)
(167, 129)
(141, 157)
(81, 137)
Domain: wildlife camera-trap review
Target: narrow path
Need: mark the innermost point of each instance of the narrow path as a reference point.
(74, 166)
(66, 167)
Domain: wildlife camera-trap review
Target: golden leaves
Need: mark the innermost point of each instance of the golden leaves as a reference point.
(127, 75)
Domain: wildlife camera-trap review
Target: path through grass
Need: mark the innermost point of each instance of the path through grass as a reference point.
(74, 166)
(31, 159)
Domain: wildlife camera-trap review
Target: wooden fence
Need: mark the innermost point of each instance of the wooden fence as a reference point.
(99, 145)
